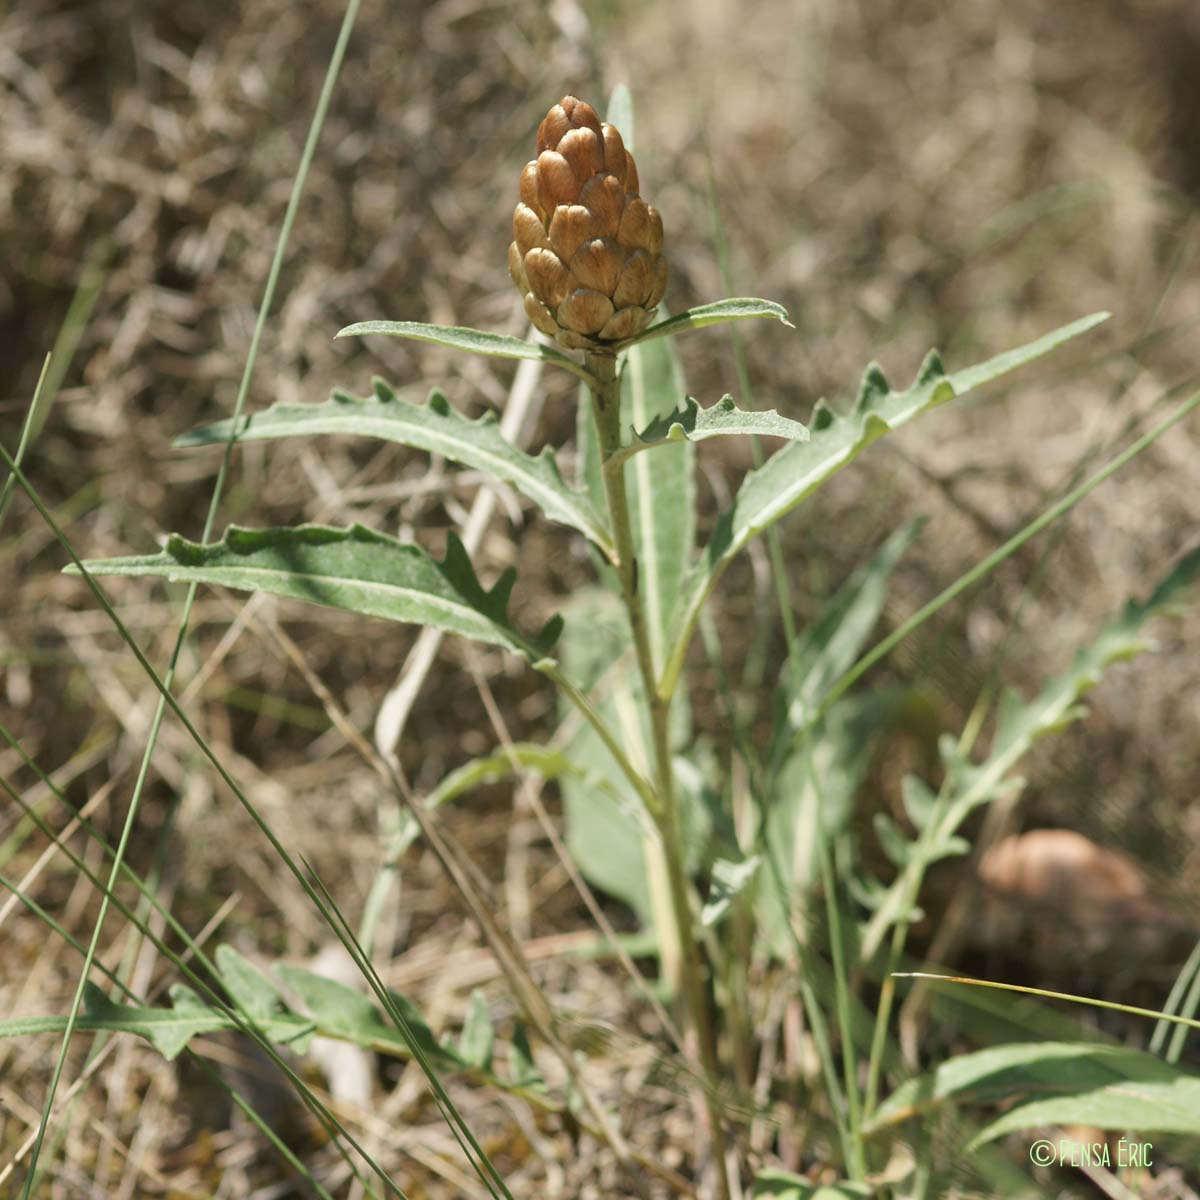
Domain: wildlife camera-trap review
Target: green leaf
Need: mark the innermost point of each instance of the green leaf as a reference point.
(620, 113)
(1020, 723)
(783, 1185)
(354, 569)
(739, 309)
(473, 341)
(167, 1029)
(608, 833)
(433, 426)
(478, 1035)
(829, 645)
(795, 472)
(523, 1072)
(661, 487)
(728, 879)
(545, 761)
(1055, 1083)
(341, 1012)
(810, 799)
(724, 419)
(252, 991)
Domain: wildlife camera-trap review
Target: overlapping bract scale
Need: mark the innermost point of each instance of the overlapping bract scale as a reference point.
(587, 249)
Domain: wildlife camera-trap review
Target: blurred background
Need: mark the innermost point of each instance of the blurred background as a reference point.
(898, 175)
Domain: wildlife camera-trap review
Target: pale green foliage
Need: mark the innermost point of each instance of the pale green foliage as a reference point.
(435, 427)
(740, 309)
(1109, 1087)
(354, 569)
(473, 341)
(795, 472)
(1020, 724)
(695, 424)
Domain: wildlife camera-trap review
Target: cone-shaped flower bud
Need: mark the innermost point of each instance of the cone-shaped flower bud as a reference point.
(587, 251)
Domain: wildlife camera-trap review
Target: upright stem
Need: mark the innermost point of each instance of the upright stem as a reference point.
(606, 409)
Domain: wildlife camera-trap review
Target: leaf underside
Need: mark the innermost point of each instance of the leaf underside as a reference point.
(738, 308)
(473, 341)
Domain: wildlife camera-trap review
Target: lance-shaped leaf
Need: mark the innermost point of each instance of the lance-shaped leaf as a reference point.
(434, 427)
(795, 472)
(695, 424)
(355, 569)
(1055, 1083)
(473, 341)
(738, 308)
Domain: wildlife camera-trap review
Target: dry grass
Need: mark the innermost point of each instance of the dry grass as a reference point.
(898, 175)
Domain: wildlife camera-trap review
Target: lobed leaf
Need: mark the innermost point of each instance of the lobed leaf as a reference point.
(724, 419)
(795, 472)
(1055, 1083)
(1020, 723)
(354, 569)
(740, 308)
(473, 341)
(435, 427)
(167, 1029)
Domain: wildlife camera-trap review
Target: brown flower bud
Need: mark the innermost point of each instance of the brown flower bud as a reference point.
(587, 250)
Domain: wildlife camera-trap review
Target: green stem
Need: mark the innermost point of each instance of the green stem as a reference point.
(606, 411)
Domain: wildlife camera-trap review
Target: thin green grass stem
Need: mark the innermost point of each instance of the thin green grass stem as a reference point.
(298, 183)
(26, 435)
(993, 560)
(856, 1163)
(1091, 1001)
(382, 995)
(242, 1021)
(213, 1075)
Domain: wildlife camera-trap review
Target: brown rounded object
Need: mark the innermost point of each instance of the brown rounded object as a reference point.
(588, 251)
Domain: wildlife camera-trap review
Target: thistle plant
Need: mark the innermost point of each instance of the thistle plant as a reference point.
(720, 880)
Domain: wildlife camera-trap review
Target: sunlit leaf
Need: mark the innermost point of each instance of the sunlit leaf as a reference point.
(728, 880)
(795, 472)
(354, 569)
(433, 426)
(342, 1012)
(692, 423)
(473, 341)
(251, 990)
(741, 308)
